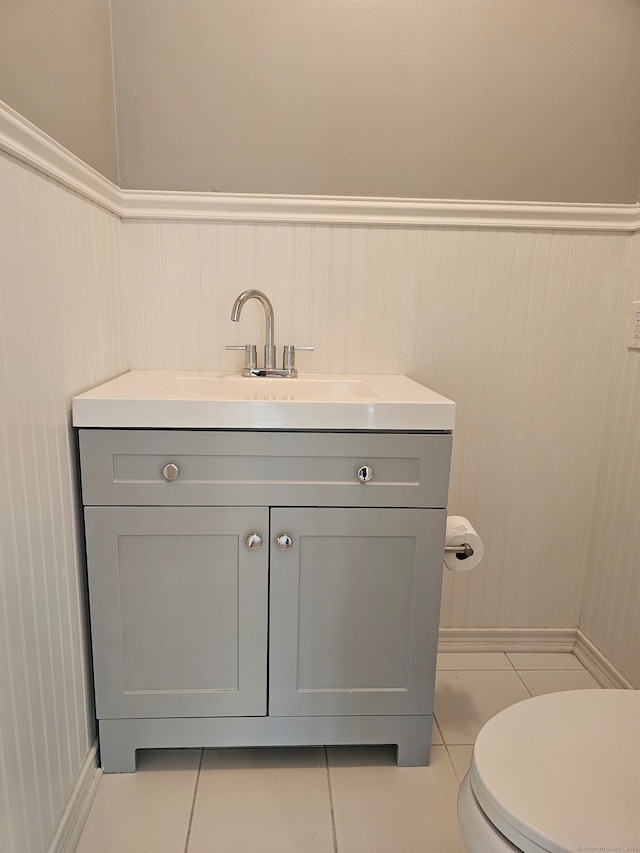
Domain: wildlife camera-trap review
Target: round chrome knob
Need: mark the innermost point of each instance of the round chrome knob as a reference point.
(171, 471)
(365, 473)
(254, 541)
(284, 542)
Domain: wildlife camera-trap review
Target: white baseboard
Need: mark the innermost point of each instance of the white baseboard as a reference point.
(507, 639)
(597, 664)
(535, 640)
(75, 815)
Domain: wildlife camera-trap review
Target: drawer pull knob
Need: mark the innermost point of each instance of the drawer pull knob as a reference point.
(254, 541)
(170, 472)
(365, 473)
(284, 542)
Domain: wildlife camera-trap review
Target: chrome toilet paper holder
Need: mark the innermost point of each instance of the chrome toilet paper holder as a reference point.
(461, 551)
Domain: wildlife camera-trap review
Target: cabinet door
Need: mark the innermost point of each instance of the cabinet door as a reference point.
(354, 610)
(178, 610)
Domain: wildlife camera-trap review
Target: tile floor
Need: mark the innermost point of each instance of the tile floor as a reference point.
(317, 800)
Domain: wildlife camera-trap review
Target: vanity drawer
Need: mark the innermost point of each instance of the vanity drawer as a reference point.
(218, 467)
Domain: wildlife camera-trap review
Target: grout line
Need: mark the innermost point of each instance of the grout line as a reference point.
(193, 803)
(451, 761)
(484, 669)
(447, 745)
(437, 725)
(333, 820)
(517, 672)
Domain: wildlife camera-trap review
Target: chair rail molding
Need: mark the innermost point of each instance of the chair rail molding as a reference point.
(26, 142)
(389, 212)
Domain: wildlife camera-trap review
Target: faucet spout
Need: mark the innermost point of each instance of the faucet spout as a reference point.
(245, 296)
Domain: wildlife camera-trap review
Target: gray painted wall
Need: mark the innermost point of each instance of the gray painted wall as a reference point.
(475, 99)
(467, 99)
(56, 70)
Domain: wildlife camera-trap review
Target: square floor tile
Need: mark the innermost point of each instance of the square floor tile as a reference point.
(381, 808)
(465, 701)
(473, 660)
(262, 800)
(147, 811)
(544, 660)
(554, 681)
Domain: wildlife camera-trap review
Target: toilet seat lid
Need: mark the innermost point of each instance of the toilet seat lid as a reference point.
(561, 772)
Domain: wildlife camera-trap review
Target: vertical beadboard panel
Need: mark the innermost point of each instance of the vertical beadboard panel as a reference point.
(516, 326)
(610, 613)
(357, 300)
(189, 272)
(61, 331)
(283, 279)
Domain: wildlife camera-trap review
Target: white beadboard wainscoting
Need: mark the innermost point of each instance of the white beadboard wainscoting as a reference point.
(519, 327)
(610, 609)
(60, 332)
(517, 312)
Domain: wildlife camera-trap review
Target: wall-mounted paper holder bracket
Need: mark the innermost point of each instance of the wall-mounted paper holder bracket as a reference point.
(461, 551)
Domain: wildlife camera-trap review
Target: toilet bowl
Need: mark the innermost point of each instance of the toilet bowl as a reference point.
(559, 773)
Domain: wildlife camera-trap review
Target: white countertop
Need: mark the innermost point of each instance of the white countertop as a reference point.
(205, 400)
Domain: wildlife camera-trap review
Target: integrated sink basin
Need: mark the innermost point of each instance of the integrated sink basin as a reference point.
(203, 400)
(258, 388)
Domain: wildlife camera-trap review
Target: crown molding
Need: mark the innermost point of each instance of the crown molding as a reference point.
(26, 142)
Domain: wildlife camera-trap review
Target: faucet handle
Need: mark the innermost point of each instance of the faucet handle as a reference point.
(289, 356)
(251, 358)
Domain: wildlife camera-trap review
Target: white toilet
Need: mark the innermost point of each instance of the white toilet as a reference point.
(556, 774)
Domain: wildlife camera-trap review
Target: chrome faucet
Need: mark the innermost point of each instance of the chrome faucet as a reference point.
(269, 348)
(251, 366)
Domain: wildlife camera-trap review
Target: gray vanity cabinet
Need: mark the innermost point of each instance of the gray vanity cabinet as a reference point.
(353, 604)
(247, 588)
(178, 611)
